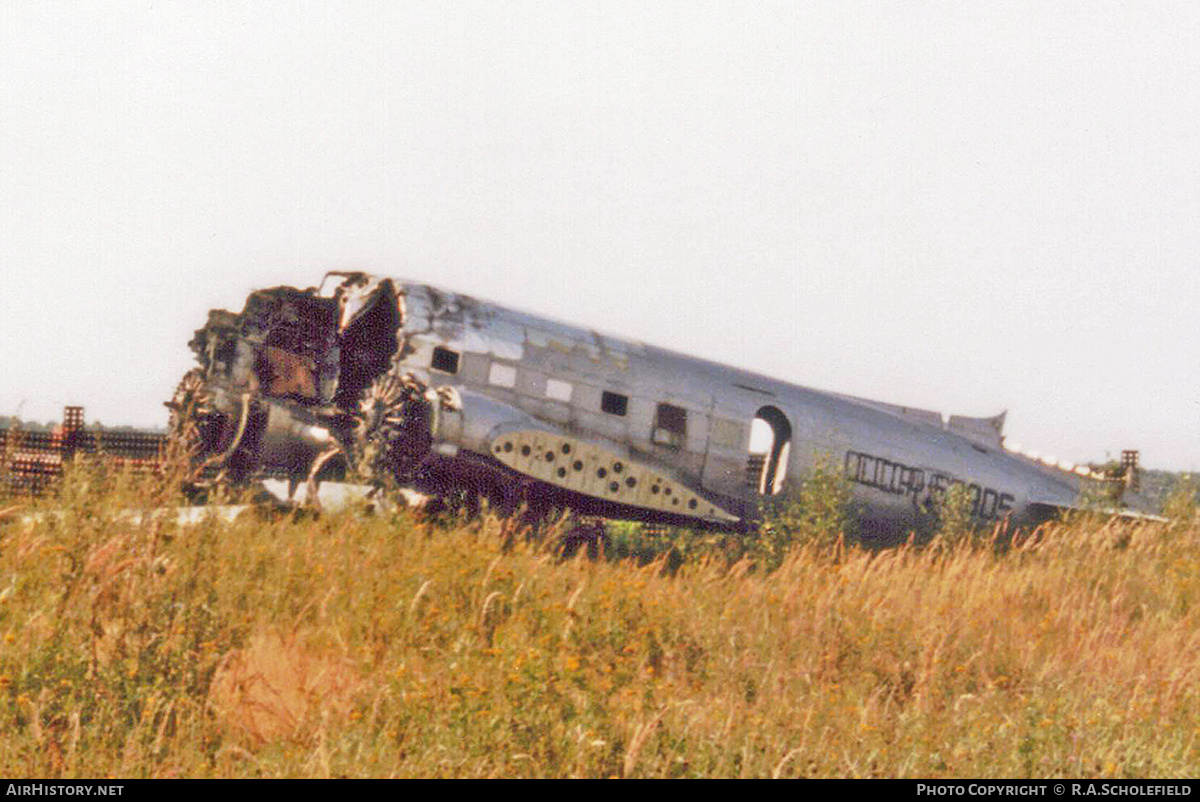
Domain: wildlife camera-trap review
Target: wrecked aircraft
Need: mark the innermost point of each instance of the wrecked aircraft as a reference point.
(404, 384)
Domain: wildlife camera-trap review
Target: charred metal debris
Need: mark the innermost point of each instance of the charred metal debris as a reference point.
(306, 385)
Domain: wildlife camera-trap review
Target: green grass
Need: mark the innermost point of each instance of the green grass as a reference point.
(382, 645)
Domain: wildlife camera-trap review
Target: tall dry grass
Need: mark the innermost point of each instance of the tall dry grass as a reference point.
(357, 645)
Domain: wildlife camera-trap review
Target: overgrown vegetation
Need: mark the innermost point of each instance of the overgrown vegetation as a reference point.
(348, 644)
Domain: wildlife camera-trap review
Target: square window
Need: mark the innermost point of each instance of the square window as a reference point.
(444, 360)
(558, 390)
(614, 403)
(670, 426)
(502, 375)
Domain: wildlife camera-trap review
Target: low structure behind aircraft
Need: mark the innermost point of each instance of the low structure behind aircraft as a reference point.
(406, 384)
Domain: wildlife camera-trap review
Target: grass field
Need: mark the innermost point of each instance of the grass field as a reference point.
(385, 645)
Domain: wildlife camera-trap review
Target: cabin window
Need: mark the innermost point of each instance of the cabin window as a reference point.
(558, 390)
(444, 360)
(614, 403)
(502, 375)
(670, 426)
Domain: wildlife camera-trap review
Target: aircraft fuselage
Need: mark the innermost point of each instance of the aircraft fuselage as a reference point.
(605, 424)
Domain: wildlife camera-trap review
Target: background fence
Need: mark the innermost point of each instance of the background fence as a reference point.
(30, 461)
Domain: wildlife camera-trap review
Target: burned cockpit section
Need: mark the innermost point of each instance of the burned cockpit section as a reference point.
(284, 344)
(302, 381)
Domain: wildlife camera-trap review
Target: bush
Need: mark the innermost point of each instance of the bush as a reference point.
(820, 513)
(1183, 503)
(955, 524)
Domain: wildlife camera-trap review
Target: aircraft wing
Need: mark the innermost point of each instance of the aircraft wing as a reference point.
(589, 465)
(988, 432)
(599, 470)
(1050, 508)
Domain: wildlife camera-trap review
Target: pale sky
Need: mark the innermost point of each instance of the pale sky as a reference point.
(965, 207)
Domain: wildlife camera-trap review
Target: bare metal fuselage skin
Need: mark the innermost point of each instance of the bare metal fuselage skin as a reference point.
(618, 427)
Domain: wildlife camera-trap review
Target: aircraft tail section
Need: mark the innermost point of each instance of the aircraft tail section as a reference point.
(984, 431)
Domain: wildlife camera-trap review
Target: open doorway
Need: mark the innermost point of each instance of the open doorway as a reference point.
(770, 441)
